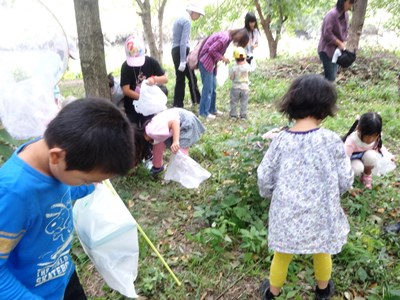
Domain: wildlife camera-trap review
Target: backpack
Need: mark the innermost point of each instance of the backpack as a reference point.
(192, 59)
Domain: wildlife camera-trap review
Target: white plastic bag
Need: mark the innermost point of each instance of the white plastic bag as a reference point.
(152, 100)
(186, 171)
(384, 164)
(222, 73)
(108, 234)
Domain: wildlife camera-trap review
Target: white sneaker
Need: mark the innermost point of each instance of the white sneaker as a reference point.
(210, 117)
(218, 113)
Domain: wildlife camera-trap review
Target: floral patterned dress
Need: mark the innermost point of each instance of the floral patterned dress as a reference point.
(305, 173)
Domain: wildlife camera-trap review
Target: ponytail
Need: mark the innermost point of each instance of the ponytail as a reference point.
(351, 130)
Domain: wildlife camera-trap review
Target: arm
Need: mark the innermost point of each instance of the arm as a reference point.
(343, 166)
(266, 171)
(126, 90)
(81, 191)
(216, 51)
(184, 40)
(174, 126)
(163, 79)
(328, 35)
(231, 73)
(13, 214)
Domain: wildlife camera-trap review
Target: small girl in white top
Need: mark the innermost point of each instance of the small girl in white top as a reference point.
(304, 172)
(250, 23)
(364, 146)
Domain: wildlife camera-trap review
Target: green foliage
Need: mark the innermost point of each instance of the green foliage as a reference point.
(7, 145)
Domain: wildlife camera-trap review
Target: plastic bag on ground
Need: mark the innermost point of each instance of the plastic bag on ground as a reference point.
(108, 234)
(185, 170)
(152, 100)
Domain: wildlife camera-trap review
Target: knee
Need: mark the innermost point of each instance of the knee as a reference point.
(370, 158)
(357, 166)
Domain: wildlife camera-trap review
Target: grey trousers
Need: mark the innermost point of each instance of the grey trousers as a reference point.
(236, 96)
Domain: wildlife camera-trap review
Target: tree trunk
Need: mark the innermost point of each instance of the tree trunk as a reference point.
(266, 25)
(145, 15)
(161, 9)
(91, 48)
(357, 23)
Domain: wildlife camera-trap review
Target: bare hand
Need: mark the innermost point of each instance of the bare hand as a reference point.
(175, 147)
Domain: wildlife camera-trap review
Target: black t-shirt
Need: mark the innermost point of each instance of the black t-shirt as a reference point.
(134, 76)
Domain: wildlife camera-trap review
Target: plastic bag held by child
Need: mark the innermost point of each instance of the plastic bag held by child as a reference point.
(152, 100)
(108, 234)
(186, 171)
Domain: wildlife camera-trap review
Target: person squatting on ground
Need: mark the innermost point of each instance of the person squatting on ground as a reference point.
(176, 128)
(37, 186)
(334, 33)
(134, 70)
(212, 52)
(250, 23)
(363, 145)
(239, 74)
(304, 171)
(180, 50)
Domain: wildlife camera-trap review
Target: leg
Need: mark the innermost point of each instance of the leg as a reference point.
(330, 68)
(244, 99)
(213, 104)
(369, 159)
(323, 271)
(74, 290)
(185, 151)
(278, 272)
(357, 166)
(158, 151)
(194, 89)
(179, 92)
(234, 94)
(205, 100)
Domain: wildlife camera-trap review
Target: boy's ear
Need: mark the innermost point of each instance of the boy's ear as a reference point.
(56, 155)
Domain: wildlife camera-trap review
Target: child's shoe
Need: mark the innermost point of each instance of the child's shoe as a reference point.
(265, 292)
(366, 180)
(326, 293)
(155, 171)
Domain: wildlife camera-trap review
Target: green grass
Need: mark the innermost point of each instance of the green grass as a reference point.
(214, 237)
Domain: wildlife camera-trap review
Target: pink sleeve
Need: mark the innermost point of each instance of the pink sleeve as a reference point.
(349, 146)
(158, 128)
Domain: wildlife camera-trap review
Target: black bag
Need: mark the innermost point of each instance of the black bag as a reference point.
(346, 59)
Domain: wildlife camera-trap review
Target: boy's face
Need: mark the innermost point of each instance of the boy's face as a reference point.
(72, 177)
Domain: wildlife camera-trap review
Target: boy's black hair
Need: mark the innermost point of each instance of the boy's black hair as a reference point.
(369, 123)
(241, 58)
(309, 95)
(95, 135)
(340, 4)
(250, 17)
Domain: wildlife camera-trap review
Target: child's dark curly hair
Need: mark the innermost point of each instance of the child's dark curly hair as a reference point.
(309, 95)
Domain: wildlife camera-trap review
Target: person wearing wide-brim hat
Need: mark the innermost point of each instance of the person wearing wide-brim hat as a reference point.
(180, 49)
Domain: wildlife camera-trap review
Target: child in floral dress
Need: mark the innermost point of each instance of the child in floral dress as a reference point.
(304, 172)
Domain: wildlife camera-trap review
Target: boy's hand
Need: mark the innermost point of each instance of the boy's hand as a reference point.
(175, 147)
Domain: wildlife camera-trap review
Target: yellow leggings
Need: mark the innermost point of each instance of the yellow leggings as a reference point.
(280, 265)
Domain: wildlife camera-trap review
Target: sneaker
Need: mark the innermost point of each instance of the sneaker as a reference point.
(210, 117)
(155, 171)
(326, 293)
(233, 117)
(243, 117)
(217, 113)
(265, 293)
(366, 180)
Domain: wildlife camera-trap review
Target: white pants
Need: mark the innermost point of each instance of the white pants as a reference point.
(369, 159)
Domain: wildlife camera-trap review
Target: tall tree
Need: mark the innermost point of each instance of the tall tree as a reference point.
(357, 23)
(156, 47)
(91, 48)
